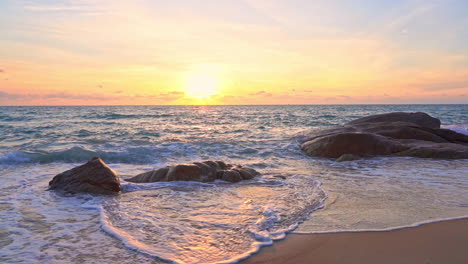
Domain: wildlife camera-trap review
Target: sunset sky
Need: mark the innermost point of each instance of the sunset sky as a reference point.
(102, 52)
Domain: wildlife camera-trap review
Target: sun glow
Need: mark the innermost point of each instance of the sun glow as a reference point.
(201, 85)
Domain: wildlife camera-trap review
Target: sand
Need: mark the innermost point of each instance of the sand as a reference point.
(443, 242)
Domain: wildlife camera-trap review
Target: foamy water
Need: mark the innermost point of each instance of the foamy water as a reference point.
(216, 223)
(205, 223)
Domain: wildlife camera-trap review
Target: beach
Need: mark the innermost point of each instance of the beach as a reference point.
(224, 132)
(296, 196)
(442, 242)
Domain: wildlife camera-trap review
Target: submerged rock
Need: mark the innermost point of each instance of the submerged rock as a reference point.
(206, 171)
(92, 177)
(392, 134)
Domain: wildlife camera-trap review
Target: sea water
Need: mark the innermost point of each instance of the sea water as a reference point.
(219, 222)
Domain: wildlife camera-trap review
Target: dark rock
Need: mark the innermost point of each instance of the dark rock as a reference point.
(206, 171)
(418, 118)
(363, 144)
(246, 173)
(92, 177)
(154, 175)
(184, 172)
(231, 176)
(435, 150)
(398, 134)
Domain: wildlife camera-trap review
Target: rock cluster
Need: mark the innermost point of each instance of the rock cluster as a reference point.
(92, 177)
(206, 171)
(392, 134)
(96, 177)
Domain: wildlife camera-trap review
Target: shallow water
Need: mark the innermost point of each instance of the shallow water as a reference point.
(205, 223)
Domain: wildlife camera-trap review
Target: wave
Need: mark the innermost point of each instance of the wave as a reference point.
(112, 116)
(144, 152)
(188, 222)
(133, 155)
(463, 128)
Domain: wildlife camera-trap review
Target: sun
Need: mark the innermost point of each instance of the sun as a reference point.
(201, 85)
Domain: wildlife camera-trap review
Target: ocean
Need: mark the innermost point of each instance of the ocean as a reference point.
(189, 222)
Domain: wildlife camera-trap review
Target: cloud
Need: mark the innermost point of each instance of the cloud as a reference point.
(442, 86)
(261, 93)
(5, 95)
(51, 96)
(176, 93)
(76, 97)
(171, 96)
(80, 8)
(52, 8)
(421, 8)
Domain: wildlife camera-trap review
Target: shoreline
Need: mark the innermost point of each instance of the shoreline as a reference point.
(437, 242)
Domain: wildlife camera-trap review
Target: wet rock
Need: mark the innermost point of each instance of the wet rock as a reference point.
(231, 176)
(418, 118)
(362, 144)
(184, 172)
(206, 171)
(392, 134)
(92, 177)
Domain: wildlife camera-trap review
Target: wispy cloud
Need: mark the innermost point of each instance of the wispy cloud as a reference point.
(442, 86)
(171, 96)
(417, 10)
(268, 50)
(67, 7)
(262, 93)
(44, 8)
(5, 95)
(59, 95)
(110, 98)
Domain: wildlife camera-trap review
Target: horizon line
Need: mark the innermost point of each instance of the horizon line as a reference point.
(232, 105)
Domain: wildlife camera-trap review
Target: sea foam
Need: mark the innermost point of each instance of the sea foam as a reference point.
(209, 223)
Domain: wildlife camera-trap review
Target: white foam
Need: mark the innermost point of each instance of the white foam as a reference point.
(463, 128)
(210, 223)
(388, 193)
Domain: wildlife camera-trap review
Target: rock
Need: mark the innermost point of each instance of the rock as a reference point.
(246, 173)
(392, 134)
(418, 118)
(348, 157)
(206, 171)
(231, 176)
(362, 144)
(92, 177)
(435, 150)
(184, 172)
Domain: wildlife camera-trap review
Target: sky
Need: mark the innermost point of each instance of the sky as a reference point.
(151, 52)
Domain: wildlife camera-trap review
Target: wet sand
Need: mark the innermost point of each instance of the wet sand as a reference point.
(443, 242)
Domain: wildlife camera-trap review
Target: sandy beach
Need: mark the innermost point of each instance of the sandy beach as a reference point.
(181, 189)
(443, 242)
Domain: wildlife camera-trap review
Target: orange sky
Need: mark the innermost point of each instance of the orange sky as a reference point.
(57, 52)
